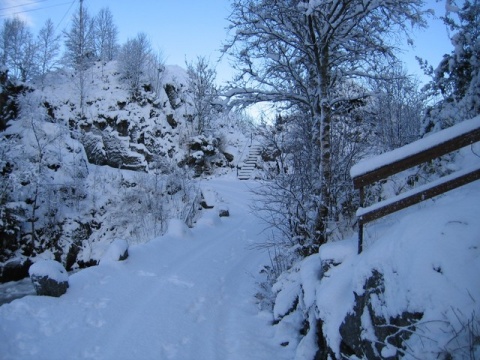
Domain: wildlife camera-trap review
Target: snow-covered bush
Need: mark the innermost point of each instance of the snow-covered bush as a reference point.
(117, 251)
(205, 154)
(456, 79)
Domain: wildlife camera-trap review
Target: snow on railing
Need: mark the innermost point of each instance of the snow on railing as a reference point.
(380, 167)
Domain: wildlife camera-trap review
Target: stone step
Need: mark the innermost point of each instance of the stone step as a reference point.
(249, 164)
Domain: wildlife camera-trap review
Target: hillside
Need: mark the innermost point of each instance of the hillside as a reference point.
(74, 180)
(413, 293)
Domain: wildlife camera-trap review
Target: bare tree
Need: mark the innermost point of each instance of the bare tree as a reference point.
(80, 40)
(155, 66)
(106, 35)
(201, 85)
(396, 109)
(48, 45)
(80, 48)
(18, 49)
(133, 58)
(297, 53)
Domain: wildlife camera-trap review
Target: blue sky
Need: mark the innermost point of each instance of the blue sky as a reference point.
(184, 29)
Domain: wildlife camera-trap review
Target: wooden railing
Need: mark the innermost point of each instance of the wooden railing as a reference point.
(443, 142)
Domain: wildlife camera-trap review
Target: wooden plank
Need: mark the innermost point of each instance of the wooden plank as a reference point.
(415, 196)
(433, 152)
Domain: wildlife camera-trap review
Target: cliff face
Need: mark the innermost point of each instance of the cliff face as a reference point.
(120, 129)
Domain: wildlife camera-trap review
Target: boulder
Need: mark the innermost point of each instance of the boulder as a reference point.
(224, 212)
(49, 278)
(228, 156)
(14, 270)
(369, 335)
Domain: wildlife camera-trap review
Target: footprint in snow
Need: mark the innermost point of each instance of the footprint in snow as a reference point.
(195, 308)
(178, 282)
(146, 273)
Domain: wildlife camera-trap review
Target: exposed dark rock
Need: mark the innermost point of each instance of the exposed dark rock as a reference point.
(327, 264)
(49, 278)
(9, 91)
(122, 127)
(228, 156)
(94, 148)
(85, 264)
(204, 205)
(48, 287)
(173, 97)
(171, 121)
(324, 352)
(270, 154)
(393, 330)
(173, 186)
(224, 213)
(14, 270)
(50, 109)
(72, 254)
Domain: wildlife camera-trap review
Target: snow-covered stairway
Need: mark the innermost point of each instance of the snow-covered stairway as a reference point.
(246, 169)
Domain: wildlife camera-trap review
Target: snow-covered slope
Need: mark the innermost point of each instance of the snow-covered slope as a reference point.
(73, 180)
(186, 295)
(190, 294)
(413, 293)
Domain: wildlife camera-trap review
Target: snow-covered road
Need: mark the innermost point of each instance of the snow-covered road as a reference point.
(186, 295)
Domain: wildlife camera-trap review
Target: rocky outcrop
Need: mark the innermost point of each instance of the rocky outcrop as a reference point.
(369, 330)
(205, 154)
(368, 334)
(224, 212)
(49, 278)
(14, 270)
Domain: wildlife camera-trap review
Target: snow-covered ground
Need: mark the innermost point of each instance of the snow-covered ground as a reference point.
(186, 295)
(190, 294)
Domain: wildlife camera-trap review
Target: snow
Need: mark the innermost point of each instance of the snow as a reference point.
(429, 257)
(115, 251)
(191, 293)
(177, 229)
(175, 297)
(49, 268)
(368, 165)
(420, 189)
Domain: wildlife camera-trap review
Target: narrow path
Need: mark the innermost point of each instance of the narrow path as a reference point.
(183, 296)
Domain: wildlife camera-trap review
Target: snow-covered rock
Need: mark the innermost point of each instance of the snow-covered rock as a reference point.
(178, 229)
(49, 278)
(117, 251)
(223, 211)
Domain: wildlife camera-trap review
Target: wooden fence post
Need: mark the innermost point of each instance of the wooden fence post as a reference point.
(372, 170)
(360, 223)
